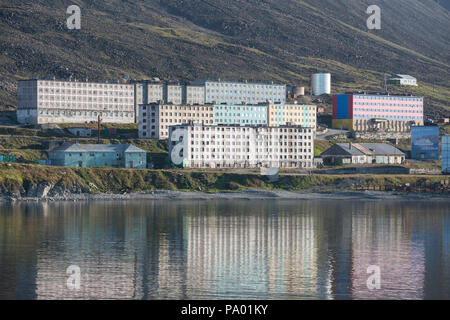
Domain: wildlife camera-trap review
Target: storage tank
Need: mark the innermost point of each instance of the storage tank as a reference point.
(321, 84)
(299, 91)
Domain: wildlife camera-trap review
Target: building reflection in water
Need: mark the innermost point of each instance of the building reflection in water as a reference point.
(225, 249)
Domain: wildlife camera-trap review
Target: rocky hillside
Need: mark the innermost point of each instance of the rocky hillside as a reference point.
(284, 40)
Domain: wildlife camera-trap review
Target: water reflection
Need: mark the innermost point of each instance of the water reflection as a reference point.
(224, 249)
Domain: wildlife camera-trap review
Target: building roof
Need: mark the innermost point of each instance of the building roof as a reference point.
(403, 76)
(76, 147)
(360, 149)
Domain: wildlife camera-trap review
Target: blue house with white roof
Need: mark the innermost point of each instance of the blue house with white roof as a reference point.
(98, 155)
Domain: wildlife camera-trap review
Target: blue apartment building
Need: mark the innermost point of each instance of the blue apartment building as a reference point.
(240, 114)
(242, 92)
(98, 155)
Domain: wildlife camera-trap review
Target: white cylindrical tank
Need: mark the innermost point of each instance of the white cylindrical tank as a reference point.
(321, 84)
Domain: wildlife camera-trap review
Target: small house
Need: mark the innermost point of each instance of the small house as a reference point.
(362, 153)
(98, 155)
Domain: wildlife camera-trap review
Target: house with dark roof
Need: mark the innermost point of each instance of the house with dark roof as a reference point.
(98, 155)
(362, 153)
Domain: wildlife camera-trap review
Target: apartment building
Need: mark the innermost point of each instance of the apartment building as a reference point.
(294, 114)
(175, 94)
(222, 114)
(52, 101)
(240, 114)
(374, 112)
(195, 94)
(155, 119)
(197, 145)
(244, 92)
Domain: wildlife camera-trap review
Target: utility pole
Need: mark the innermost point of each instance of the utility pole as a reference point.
(98, 129)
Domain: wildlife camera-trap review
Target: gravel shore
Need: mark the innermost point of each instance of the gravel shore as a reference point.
(243, 195)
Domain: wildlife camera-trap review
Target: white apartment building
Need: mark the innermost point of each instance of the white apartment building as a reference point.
(155, 92)
(195, 94)
(196, 145)
(155, 119)
(52, 101)
(175, 94)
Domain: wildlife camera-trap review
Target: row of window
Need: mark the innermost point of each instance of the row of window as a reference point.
(244, 85)
(85, 113)
(388, 110)
(389, 105)
(373, 116)
(391, 98)
(85, 85)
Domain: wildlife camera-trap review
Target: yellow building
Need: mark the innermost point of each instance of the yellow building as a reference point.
(295, 114)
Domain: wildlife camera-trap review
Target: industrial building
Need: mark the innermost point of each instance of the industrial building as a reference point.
(52, 101)
(377, 112)
(402, 80)
(242, 92)
(446, 154)
(204, 146)
(425, 142)
(155, 119)
(362, 153)
(98, 155)
(320, 84)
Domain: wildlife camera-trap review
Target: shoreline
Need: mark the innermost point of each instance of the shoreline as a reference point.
(237, 195)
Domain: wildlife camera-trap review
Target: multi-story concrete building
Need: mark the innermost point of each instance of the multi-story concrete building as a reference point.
(98, 155)
(52, 101)
(367, 112)
(229, 92)
(205, 146)
(175, 94)
(240, 114)
(195, 94)
(294, 114)
(156, 118)
(155, 92)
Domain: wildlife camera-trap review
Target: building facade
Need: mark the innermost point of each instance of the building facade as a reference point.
(425, 142)
(195, 94)
(175, 94)
(240, 114)
(446, 154)
(51, 101)
(364, 112)
(156, 119)
(98, 155)
(362, 153)
(236, 93)
(294, 114)
(202, 146)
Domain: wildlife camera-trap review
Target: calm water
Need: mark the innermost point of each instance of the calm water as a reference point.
(225, 249)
